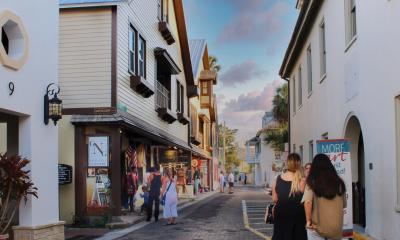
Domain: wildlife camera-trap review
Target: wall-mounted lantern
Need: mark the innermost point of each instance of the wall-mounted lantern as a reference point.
(52, 104)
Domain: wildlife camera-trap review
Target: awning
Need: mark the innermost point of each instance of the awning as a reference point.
(166, 61)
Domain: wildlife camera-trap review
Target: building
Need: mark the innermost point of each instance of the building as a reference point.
(262, 155)
(28, 65)
(341, 65)
(203, 115)
(126, 76)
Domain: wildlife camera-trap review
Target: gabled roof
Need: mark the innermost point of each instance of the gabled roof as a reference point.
(196, 47)
(66, 2)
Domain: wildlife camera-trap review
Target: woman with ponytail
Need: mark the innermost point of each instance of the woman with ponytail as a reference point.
(287, 193)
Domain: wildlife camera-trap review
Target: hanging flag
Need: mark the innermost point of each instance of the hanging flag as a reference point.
(128, 158)
(134, 161)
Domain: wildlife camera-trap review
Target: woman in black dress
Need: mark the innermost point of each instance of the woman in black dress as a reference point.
(287, 192)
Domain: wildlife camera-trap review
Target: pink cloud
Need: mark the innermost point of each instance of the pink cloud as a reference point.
(254, 21)
(241, 73)
(245, 112)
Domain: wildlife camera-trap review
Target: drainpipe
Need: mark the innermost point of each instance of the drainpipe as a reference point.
(290, 145)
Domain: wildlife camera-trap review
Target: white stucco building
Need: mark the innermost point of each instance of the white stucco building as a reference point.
(28, 64)
(341, 65)
(261, 154)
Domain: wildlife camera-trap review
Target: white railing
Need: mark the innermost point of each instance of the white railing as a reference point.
(162, 96)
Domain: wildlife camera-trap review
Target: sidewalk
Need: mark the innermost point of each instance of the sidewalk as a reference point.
(126, 224)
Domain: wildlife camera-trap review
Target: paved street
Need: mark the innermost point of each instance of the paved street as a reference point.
(218, 217)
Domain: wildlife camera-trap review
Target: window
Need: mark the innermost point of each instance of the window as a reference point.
(325, 136)
(310, 150)
(159, 10)
(301, 153)
(322, 49)
(204, 88)
(294, 94)
(398, 150)
(142, 57)
(351, 24)
(179, 97)
(137, 53)
(4, 40)
(132, 50)
(309, 69)
(163, 10)
(300, 88)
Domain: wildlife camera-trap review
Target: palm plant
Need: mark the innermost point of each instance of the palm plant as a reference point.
(15, 186)
(214, 63)
(279, 136)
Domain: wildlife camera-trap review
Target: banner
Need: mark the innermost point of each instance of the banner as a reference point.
(338, 151)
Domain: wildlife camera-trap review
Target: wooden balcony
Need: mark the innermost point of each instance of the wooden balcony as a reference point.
(182, 119)
(166, 32)
(140, 85)
(162, 104)
(213, 109)
(206, 101)
(209, 75)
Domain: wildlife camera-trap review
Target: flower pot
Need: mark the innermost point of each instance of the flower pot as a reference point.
(4, 237)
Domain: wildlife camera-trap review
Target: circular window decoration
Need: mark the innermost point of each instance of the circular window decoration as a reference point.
(14, 41)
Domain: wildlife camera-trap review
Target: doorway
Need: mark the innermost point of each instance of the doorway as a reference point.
(355, 135)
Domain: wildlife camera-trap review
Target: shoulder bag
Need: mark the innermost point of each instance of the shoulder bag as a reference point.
(162, 202)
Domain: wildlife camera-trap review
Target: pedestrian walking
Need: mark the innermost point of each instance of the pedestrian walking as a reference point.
(245, 179)
(132, 187)
(145, 196)
(154, 194)
(170, 194)
(231, 180)
(307, 168)
(221, 182)
(196, 177)
(324, 200)
(287, 193)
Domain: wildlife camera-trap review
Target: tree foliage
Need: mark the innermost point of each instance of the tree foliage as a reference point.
(279, 136)
(231, 147)
(214, 63)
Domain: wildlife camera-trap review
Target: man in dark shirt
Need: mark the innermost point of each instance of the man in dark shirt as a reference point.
(154, 194)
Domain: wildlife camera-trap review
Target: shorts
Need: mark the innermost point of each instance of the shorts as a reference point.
(231, 184)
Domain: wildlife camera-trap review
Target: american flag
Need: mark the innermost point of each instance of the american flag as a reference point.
(134, 158)
(131, 157)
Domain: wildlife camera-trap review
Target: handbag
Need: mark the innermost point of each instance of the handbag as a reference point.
(269, 214)
(162, 202)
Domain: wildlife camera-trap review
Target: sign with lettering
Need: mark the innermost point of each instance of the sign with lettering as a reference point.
(64, 174)
(338, 151)
(98, 151)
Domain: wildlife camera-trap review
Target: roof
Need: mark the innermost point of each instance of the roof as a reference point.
(196, 47)
(67, 2)
(273, 125)
(307, 17)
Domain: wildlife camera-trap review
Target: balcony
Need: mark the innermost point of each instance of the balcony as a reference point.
(140, 85)
(206, 101)
(166, 32)
(163, 104)
(213, 109)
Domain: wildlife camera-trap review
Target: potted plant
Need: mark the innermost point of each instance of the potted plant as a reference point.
(15, 186)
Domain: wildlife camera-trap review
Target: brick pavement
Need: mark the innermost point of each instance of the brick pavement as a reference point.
(219, 217)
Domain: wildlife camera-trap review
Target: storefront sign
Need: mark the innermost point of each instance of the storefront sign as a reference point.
(338, 150)
(64, 174)
(98, 151)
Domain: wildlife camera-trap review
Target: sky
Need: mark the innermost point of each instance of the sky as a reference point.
(249, 39)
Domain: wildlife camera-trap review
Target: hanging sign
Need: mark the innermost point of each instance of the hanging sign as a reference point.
(98, 151)
(64, 174)
(338, 151)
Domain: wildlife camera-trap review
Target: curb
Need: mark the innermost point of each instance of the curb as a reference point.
(123, 232)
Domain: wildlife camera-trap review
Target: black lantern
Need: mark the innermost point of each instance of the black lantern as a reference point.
(52, 104)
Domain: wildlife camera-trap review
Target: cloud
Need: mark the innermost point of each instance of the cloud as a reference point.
(245, 112)
(254, 21)
(241, 73)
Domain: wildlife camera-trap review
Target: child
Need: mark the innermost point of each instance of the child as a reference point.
(145, 196)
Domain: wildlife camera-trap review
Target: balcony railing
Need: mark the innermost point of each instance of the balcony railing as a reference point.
(163, 104)
(162, 96)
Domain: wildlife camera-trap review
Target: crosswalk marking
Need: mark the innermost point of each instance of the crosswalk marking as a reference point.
(253, 217)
